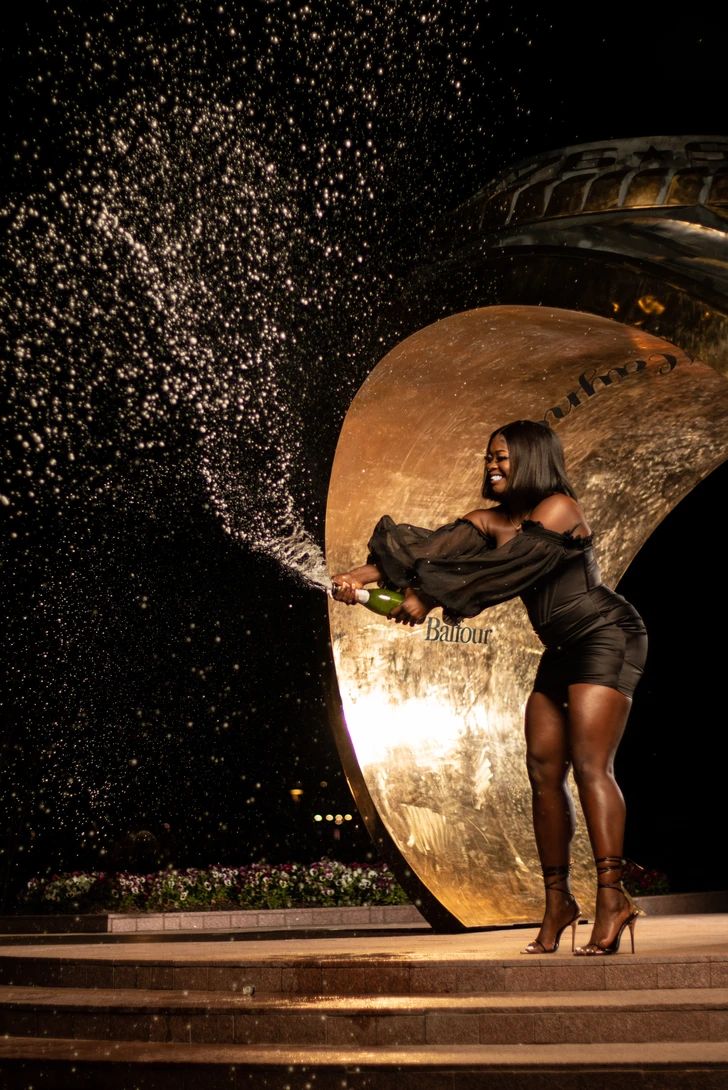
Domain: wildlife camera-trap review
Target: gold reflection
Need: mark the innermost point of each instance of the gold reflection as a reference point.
(432, 741)
(650, 304)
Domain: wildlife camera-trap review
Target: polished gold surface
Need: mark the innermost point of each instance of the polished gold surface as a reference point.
(434, 719)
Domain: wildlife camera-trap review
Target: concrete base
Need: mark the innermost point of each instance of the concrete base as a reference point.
(670, 904)
(119, 923)
(682, 904)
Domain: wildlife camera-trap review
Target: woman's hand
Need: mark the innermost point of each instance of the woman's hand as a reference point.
(413, 609)
(344, 584)
(343, 588)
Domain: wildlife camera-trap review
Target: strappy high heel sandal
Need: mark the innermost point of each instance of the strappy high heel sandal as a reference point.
(595, 949)
(552, 877)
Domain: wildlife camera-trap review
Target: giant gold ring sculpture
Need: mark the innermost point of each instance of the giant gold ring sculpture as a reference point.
(431, 727)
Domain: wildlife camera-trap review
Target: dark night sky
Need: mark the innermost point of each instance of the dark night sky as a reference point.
(161, 670)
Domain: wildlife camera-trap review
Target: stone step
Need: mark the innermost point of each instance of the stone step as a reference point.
(365, 1021)
(62, 1064)
(338, 974)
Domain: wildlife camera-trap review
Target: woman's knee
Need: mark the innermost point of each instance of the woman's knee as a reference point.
(546, 772)
(592, 770)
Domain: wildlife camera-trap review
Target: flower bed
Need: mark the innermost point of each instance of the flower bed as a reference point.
(259, 886)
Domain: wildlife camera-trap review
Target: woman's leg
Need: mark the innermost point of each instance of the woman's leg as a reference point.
(597, 716)
(553, 811)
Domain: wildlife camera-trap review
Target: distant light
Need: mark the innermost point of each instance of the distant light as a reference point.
(317, 817)
(296, 793)
(347, 817)
(329, 817)
(339, 819)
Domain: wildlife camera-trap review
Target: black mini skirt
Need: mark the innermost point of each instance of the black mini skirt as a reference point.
(599, 640)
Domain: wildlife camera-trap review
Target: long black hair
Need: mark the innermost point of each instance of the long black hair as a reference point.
(537, 466)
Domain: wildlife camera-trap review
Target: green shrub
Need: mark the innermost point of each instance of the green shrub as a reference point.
(258, 886)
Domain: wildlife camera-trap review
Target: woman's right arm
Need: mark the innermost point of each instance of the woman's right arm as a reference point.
(346, 583)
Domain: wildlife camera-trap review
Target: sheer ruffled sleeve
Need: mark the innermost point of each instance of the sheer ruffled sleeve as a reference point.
(460, 567)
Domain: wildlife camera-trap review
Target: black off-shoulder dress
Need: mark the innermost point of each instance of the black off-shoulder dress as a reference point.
(591, 633)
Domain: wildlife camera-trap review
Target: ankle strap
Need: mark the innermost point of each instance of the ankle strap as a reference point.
(613, 862)
(557, 877)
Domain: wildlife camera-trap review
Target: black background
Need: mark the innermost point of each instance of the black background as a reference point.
(226, 637)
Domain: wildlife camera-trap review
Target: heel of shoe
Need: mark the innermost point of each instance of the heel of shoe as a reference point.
(605, 864)
(556, 880)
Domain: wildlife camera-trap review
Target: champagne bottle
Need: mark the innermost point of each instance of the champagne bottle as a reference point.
(379, 599)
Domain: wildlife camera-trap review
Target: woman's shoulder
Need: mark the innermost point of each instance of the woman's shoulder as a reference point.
(485, 519)
(562, 514)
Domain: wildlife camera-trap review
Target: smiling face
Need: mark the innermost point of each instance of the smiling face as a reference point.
(524, 463)
(497, 467)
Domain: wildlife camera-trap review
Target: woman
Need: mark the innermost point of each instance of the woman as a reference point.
(536, 544)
